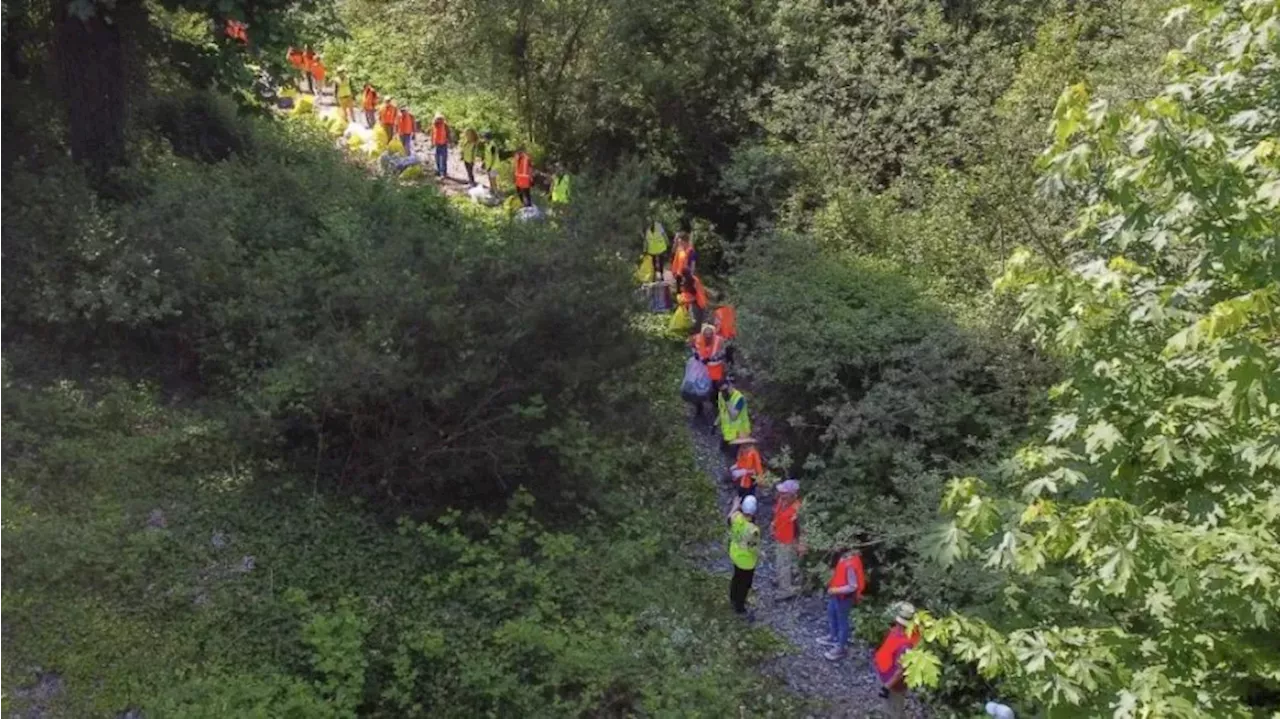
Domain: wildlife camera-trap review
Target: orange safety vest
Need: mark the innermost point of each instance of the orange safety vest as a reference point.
(294, 56)
(237, 30)
(679, 261)
(699, 292)
(727, 322)
(308, 60)
(686, 296)
(317, 69)
(439, 133)
(404, 125)
(712, 353)
(370, 101)
(749, 459)
(896, 643)
(389, 114)
(524, 171)
(842, 570)
(784, 522)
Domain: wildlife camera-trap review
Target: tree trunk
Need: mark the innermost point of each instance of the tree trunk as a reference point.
(90, 56)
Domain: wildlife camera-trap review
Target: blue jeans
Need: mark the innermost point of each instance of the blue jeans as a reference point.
(442, 160)
(407, 141)
(838, 619)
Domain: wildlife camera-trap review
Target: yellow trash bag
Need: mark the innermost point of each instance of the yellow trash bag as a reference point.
(380, 139)
(396, 147)
(512, 203)
(354, 143)
(304, 106)
(412, 172)
(644, 273)
(681, 320)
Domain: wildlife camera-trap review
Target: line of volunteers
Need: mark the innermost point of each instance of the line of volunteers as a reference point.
(396, 119)
(668, 271)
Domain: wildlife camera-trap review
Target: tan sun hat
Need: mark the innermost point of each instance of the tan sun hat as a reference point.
(904, 612)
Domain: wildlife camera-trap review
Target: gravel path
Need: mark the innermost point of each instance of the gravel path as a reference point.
(454, 183)
(848, 688)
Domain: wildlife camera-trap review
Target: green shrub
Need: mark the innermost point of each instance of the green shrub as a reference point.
(397, 349)
(877, 394)
(112, 581)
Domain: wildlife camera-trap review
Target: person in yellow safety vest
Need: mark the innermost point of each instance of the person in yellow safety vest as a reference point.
(744, 552)
(490, 158)
(733, 418)
(655, 245)
(346, 95)
(468, 146)
(561, 187)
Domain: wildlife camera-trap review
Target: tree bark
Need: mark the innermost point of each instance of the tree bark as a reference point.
(90, 55)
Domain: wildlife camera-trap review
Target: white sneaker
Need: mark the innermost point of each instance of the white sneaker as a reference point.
(835, 654)
(827, 641)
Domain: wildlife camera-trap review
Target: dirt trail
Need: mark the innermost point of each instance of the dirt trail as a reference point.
(454, 183)
(849, 687)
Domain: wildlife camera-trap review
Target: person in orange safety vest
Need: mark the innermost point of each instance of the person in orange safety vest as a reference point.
(786, 537)
(387, 117)
(406, 125)
(440, 142)
(887, 660)
(308, 62)
(748, 468)
(318, 71)
(693, 294)
(369, 103)
(683, 257)
(726, 322)
(238, 31)
(709, 348)
(523, 166)
(844, 589)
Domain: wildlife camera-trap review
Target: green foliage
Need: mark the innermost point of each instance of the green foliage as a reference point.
(392, 347)
(877, 394)
(111, 580)
(1139, 532)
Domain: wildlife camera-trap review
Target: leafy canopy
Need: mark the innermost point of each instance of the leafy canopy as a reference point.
(1140, 536)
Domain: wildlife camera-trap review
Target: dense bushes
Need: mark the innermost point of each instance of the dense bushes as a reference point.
(398, 349)
(1139, 534)
(146, 566)
(878, 395)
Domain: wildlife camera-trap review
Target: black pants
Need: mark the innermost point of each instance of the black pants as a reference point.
(371, 118)
(699, 317)
(471, 172)
(526, 197)
(657, 266)
(739, 588)
(728, 451)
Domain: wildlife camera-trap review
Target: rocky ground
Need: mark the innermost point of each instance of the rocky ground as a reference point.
(848, 688)
(455, 183)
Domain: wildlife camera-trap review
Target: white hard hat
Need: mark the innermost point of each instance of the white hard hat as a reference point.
(999, 711)
(749, 505)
